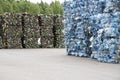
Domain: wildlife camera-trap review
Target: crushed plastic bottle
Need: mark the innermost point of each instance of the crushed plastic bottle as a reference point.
(76, 22)
(93, 26)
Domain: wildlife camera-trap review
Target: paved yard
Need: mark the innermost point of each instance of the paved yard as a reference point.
(52, 64)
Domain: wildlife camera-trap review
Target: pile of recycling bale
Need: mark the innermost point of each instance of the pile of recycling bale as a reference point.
(58, 27)
(106, 43)
(31, 31)
(76, 32)
(92, 29)
(46, 29)
(0, 42)
(0, 32)
(11, 30)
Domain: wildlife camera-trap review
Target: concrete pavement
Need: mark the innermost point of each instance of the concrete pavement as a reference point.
(52, 64)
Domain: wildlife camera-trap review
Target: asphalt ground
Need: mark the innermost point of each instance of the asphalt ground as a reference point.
(52, 64)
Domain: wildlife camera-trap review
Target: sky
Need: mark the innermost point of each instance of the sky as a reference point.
(48, 1)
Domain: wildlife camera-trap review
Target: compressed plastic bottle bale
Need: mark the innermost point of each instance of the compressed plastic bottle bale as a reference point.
(0, 31)
(47, 41)
(58, 31)
(58, 25)
(76, 22)
(49, 21)
(104, 26)
(47, 25)
(97, 25)
(112, 6)
(11, 31)
(31, 42)
(14, 43)
(31, 30)
(46, 21)
(96, 10)
(31, 26)
(0, 42)
(58, 20)
(107, 50)
(59, 41)
(13, 19)
(46, 31)
(97, 17)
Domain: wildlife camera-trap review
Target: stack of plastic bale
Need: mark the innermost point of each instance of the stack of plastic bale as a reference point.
(86, 24)
(96, 9)
(31, 31)
(69, 30)
(76, 31)
(110, 41)
(46, 29)
(0, 42)
(58, 35)
(108, 34)
(0, 31)
(12, 30)
(112, 6)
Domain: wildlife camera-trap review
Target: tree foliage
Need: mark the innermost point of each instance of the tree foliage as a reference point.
(21, 6)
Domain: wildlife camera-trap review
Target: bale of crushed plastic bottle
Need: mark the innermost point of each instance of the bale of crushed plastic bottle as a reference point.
(47, 41)
(108, 39)
(105, 40)
(57, 31)
(60, 41)
(93, 25)
(12, 30)
(0, 42)
(0, 31)
(31, 30)
(46, 30)
(76, 31)
(58, 25)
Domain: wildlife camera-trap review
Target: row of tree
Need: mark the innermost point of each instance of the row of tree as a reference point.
(21, 6)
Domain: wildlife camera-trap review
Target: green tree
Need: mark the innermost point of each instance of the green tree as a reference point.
(20, 6)
(42, 7)
(56, 7)
(6, 6)
(34, 9)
